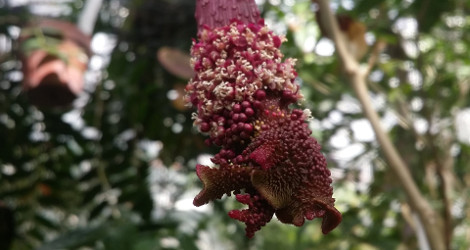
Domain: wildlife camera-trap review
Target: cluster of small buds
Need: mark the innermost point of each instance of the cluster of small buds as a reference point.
(242, 91)
(258, 214)
(235, 66)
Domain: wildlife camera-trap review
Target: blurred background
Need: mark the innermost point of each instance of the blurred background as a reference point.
(97, 150)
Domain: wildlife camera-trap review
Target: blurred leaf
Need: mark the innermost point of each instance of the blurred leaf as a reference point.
(76, 238)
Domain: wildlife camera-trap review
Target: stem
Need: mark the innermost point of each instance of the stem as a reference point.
(331, 25)
(376, 49)
(218, 13)
(357, 77)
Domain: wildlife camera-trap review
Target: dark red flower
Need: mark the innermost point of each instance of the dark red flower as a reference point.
(242, 90)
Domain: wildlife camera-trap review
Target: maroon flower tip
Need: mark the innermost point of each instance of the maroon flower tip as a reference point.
(331, 220)
(219, 13)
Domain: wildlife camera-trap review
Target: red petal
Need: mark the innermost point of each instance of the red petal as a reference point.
(218, 182)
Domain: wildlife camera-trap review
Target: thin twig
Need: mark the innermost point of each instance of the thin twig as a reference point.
(349, 62)
(379, 45)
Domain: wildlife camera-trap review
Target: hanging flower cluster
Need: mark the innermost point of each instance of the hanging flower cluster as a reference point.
(242, 90)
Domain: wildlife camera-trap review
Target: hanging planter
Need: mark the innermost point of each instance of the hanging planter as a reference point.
(55, 56)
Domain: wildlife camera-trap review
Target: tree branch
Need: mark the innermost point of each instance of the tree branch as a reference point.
(331, 25)
(374, 55)
(357, 77)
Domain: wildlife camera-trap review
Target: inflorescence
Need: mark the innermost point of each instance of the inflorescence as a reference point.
(242, 91)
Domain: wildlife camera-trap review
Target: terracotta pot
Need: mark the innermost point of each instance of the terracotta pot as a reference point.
(55, 58)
